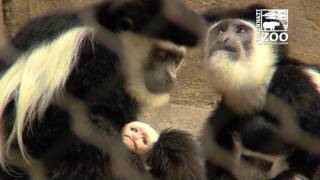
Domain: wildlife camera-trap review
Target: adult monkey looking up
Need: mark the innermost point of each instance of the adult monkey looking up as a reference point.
(77, 70)
(270, 107)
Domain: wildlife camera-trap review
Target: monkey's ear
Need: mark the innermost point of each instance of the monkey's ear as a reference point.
(125, 24)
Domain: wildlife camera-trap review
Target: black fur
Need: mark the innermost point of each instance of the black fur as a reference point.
(259, 134)
(175, 156)
(110, 15)
(248, 13)
(153, 22)
(214, 172)
(102, 90)
(44, 29)
(256, 133)
(294, 87)
(84, 162)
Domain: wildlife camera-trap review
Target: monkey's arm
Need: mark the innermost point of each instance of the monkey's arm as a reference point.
(223, 122)
(217, 143)
(176, 156)
(294, 100)
(295, 94)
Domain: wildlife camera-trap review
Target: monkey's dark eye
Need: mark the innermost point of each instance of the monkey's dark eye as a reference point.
(134, 129)
(162, 55)
(242, 29)
(165, 55)
(144, 140)
(177, 62)
(125, 24)
(220, 30)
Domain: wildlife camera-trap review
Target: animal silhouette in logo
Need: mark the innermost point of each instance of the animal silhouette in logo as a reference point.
(270, 25)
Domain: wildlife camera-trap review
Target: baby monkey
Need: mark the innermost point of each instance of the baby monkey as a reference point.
(159, 152)
(139, 137)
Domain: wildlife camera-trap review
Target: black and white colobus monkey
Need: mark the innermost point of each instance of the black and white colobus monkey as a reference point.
(79, 76)
(269, 116)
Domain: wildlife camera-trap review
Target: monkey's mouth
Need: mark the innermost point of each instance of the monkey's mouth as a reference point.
(232, 49)
(133, 142)
(233, 52)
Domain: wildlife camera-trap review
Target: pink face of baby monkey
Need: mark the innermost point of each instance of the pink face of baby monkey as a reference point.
(139, 137)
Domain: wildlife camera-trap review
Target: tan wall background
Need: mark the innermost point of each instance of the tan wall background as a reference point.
(192, 91)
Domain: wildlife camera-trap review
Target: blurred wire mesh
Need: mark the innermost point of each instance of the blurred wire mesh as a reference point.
(32, 8)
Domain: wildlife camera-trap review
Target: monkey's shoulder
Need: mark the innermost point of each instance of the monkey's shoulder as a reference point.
(293, 79)
(44, 29)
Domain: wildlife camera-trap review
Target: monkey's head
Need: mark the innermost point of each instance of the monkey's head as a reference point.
(166, 20)
(232, 38)
(238, 67)
(150, 67)
(154, 35)
(161, 68)
(139, 137)
(233, 56)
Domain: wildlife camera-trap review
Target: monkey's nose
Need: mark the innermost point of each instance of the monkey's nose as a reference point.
(135, 137)
(231, 45)
(225, 40)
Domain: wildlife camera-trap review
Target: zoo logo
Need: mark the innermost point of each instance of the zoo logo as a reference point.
(272, 25)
